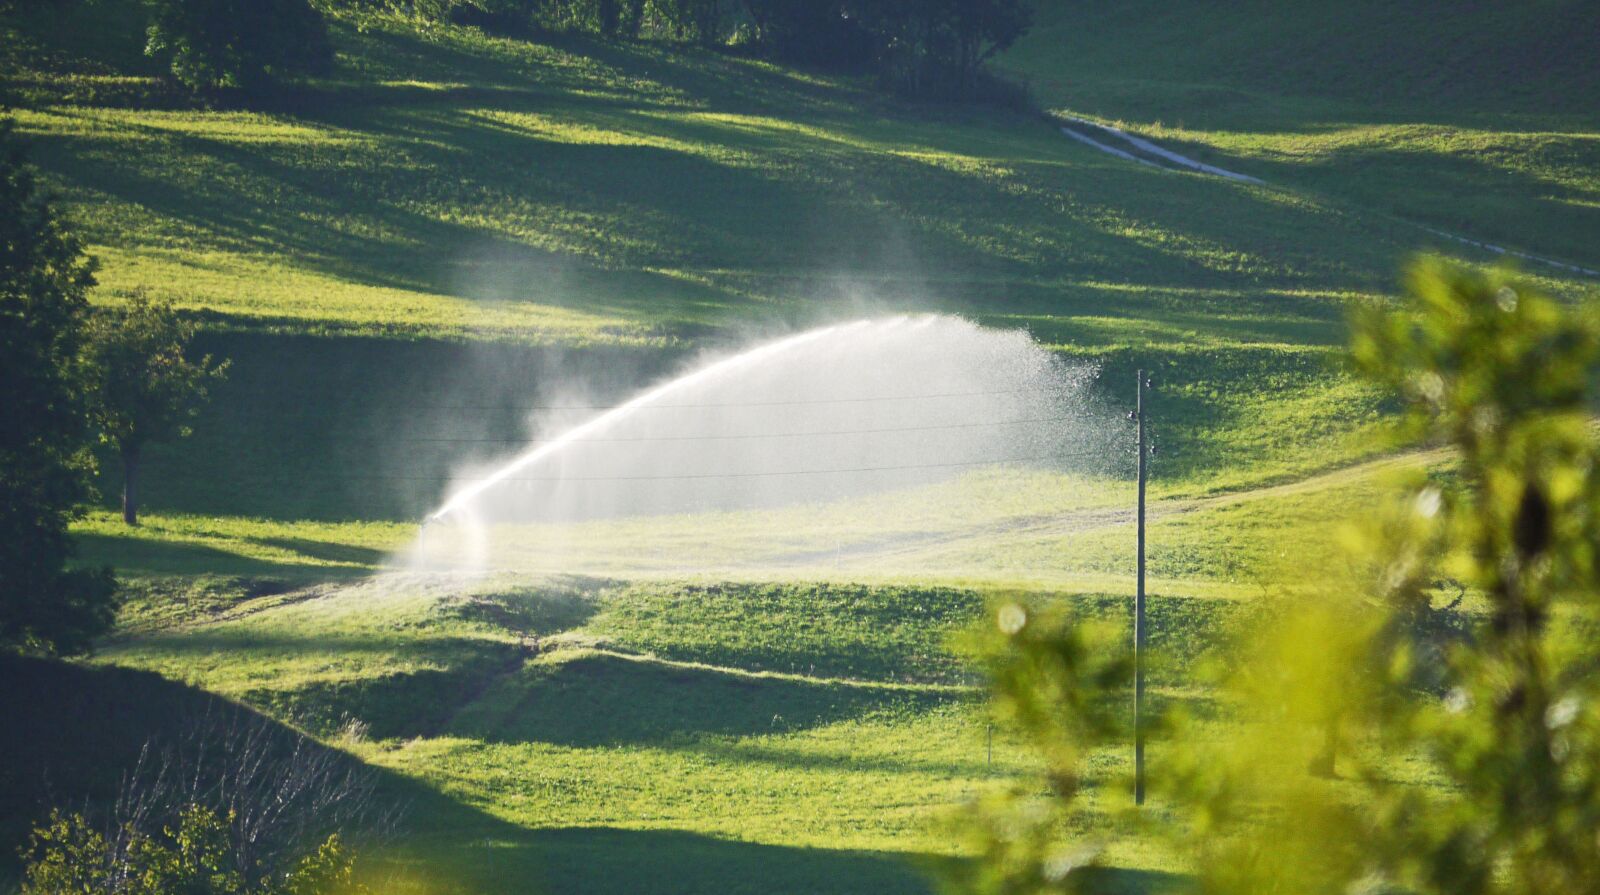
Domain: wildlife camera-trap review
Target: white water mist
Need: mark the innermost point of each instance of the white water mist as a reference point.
(831, 413)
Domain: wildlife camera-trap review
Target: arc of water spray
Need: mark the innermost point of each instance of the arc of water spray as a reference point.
(465, 495)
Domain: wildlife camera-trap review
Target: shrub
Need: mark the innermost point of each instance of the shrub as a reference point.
(192, 856)
(235, 804)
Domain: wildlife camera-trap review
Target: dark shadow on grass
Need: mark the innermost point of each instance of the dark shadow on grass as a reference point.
(72, 730)
(1468, 194)
(327, 551)
(641, 197)
(631, 71)
(606, 860)
(561, 604)
(602, 860)
(412, 685)
(148, 556)
(596, 699)
(388, 706)
(411, 688)
(637, 207)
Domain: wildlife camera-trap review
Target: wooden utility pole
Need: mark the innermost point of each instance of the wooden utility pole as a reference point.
(1138, 610)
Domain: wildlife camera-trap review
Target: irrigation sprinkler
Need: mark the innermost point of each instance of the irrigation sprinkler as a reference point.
(1140, 387)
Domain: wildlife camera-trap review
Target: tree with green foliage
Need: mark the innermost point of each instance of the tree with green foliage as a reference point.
(1504, 719)
(510, 17)
(978, 30)
(45, 426)
(631, 17)
(827, 32)
(700, 21)
(239, 44)
(921, 47)
(609, 15)
(191, 856)
(937, 47)
(145, 387)
(1504, 375)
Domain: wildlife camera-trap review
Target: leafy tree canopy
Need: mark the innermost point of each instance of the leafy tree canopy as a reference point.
(44, 424)
(1502, 717)
(244, 44)
(144, 387)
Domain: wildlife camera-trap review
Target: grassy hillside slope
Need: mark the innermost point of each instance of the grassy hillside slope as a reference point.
(1475, 118)
(406, 258)
(445, 185)
(580, 193)
(574, 720)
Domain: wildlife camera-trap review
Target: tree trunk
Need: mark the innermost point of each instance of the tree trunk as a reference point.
(1323, 764)
(130, 481)
(633, 19)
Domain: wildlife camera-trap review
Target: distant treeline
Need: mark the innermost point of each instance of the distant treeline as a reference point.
(931, 48)
(924, 48)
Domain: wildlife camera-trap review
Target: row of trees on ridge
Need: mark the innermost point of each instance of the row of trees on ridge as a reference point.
(934, 48)
(921, 47)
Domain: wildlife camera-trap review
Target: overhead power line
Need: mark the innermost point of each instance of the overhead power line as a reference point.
(521, 408)
(733, 437)
(702, 476)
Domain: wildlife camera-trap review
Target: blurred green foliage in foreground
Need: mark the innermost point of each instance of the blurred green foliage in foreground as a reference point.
(1349, 710)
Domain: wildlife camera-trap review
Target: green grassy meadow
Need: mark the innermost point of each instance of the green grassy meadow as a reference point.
(405, 258)
(1478, 121)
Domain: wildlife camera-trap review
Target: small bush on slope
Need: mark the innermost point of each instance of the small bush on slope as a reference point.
(192, 857)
